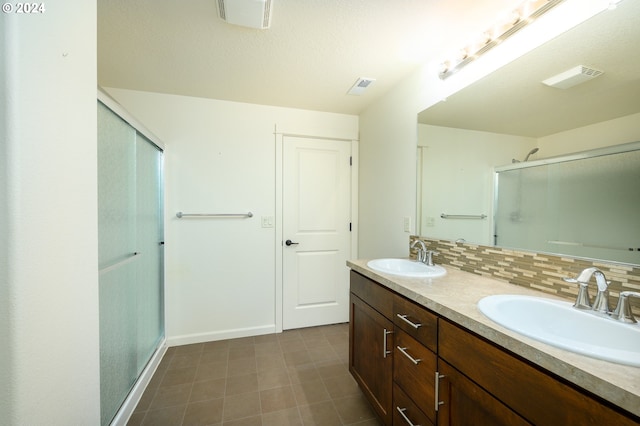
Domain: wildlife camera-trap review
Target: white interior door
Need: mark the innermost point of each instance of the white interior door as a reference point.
(316, 202)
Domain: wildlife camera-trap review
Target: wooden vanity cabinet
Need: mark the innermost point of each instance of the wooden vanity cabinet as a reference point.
(414, 363)
(478, 382)
(534, 394)
(371, 343)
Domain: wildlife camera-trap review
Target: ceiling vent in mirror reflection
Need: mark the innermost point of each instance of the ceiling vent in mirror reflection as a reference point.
(246, 13)
(572, 77)
(361, 85)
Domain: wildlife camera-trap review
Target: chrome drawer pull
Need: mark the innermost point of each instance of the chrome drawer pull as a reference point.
(385, 352)
(404, 352)
(437, 393)
(404, 416)
(412, 324)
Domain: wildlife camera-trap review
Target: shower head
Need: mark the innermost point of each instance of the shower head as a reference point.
(533, 151)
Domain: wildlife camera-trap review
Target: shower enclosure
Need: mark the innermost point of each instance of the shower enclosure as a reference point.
(130, 249)
(585, 204)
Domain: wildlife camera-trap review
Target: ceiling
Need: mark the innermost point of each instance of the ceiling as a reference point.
(314, 51)
(514, 101)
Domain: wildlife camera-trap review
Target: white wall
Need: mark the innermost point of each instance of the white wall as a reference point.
(456, 172)
(387, 175)
(607, 133)
(49, 356)
(388, 130)
(220, 158)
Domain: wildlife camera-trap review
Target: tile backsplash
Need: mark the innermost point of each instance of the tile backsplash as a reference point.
(539, 271)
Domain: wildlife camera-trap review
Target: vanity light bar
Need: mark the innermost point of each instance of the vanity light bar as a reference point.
(525, 14)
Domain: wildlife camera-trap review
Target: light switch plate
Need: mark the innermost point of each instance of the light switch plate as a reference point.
(267, 221)
(407, 224)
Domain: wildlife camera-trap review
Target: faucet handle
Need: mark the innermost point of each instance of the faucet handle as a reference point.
(582, 301)
(623, 310)
(429, 257)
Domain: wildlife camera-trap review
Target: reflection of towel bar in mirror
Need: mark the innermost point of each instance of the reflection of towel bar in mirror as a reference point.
(180, 215)
(463, 216)
(570, 243)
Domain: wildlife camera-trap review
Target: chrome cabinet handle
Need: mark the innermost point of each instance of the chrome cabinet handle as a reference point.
(411, 323)
(385, 352)
(438, 403)
(404, 352)
(404, 416)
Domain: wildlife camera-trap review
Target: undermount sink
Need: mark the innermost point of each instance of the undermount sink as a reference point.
(559, 324)
(406, 268)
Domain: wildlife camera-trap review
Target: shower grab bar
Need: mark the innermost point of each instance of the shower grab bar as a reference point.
(180, 215)
(463, 216)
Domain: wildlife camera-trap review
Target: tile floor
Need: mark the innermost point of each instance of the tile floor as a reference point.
(299, 377)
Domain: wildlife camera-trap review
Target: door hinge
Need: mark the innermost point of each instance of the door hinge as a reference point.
(349, 226)
(351, 161)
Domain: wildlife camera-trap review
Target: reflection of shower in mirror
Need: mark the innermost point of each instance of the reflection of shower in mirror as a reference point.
(533, 151)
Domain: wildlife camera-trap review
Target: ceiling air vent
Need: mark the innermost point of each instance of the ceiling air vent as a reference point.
(360, 86)
(246, 13)
(572, 77)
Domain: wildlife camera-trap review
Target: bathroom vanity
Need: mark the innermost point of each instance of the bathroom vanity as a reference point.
(423, 354)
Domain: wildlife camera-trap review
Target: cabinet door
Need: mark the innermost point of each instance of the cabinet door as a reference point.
(465, 403)
(371, 357)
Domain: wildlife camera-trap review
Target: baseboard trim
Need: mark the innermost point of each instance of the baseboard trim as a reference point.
(188, 339)
(132, 400)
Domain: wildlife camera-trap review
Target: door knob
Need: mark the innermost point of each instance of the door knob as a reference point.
(290, 243)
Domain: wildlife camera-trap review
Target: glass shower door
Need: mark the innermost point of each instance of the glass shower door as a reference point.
(117, 260)
(149, 234)
(131, 250)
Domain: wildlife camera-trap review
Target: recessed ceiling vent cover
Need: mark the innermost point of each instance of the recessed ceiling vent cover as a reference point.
(572, 77)
(246, 13)
(361, 85)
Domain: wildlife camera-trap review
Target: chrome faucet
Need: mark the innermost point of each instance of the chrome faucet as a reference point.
(425, 256)
(422, 250)
(601, 302)
(600, 306)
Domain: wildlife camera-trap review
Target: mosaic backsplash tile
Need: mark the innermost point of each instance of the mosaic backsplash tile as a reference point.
(543, 272)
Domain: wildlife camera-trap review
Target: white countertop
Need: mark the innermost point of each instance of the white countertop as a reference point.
(455, 297)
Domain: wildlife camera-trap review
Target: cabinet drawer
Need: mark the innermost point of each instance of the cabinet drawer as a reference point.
(405, 412)
(416, 321)
(414, 368)
(535, 395)
(377, 296)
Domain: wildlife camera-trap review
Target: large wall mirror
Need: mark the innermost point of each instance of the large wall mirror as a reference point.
(510, 120)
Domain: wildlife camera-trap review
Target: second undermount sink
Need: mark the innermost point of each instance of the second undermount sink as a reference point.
(559, 324)
(406, 268)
